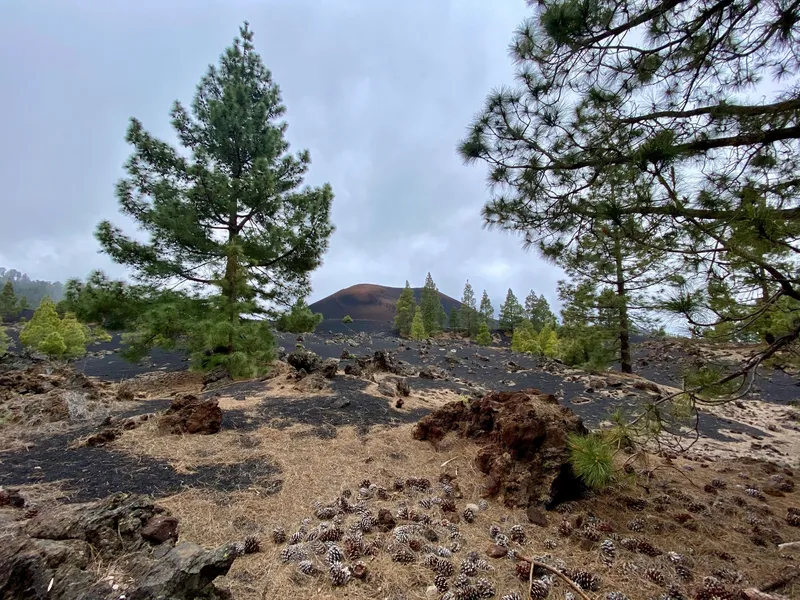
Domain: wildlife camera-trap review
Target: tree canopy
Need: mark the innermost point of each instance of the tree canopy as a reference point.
(696, 102)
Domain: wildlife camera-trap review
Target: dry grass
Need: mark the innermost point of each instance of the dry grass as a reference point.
(319, 470)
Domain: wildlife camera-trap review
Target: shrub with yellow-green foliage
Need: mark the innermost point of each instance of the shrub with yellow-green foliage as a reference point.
(484, 338)
(56, 337)
(527, 339)
(4, 341)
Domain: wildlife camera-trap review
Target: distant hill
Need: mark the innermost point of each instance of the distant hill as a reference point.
(368, 302)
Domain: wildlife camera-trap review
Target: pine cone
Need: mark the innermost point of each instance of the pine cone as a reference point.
(514, 596)
(539, 589)
(585, 580)
(518, 534)
(333, 534)
(381, 493)
(448, 505)
(501, 540)
(251, 544)
(468, 515)
(293, 553)
(440, 581)
(469, 568)
(403, 555)
(636, 525)
(565, 528)
(655, 575)
(483, 504)
(339, 574)
(326, 512)
(616, 596)
(485, 588)
(494, 531)
(607, 549)
(306, 567)
(334, 554)
(279, 535)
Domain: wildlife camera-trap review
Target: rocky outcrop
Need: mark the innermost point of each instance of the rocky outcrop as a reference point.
(304, 360)
(190, 414)
(522, 438)
(53, 554)
(46, 392)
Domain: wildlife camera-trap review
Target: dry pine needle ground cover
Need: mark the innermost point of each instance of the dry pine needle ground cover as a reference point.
(689, 521)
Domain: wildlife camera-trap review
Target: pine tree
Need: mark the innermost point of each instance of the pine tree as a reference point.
(227, 213)
(538, 312)
(442, 316)
(525, 338)
(670, 99)
(484, 338)
(9, 304)
(468, 319)
(486, 309)
(430, 304)
(404, 310)
(418, 326)
(511, 312)
(300, 319)
(453, 322)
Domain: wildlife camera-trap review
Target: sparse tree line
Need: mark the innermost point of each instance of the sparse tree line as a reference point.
(587, 335)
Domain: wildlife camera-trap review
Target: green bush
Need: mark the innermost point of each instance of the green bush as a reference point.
(300, 319)
(5, 342)
(418, 327)
(54, 336)
(592, 459)
(484, 338)
(347, 319)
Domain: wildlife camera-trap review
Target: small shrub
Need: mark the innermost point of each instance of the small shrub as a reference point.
(56, 337)
(300, 319)
(347, 319)
(418, 327)
(484, 338)
(592, 459)
(5, 342)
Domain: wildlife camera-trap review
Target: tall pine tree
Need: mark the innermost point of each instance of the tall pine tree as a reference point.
(486, 309)
(404, 310)
(469, 320)
(538, 312)
(9, 303)
(453, 324)
(431, 306)
(511, 312)
(225, 214)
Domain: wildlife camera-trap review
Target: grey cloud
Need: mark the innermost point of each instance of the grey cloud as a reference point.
(379, 92)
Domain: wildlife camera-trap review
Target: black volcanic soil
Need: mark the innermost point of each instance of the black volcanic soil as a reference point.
(96, 472)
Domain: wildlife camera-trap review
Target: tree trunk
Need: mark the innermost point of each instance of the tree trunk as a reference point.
(232, 272)
(625, 360)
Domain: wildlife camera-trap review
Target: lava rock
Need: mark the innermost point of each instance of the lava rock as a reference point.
(189, 414)
(523, 444)
(161, 529)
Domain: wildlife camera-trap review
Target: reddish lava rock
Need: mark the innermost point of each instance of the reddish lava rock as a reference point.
(189, 414)
(523, 444)
(161, 528)
(496, 551)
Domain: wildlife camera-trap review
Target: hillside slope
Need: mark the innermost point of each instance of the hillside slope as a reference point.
(369, 302)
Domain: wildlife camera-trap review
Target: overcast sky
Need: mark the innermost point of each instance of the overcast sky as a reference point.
(379, 91)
